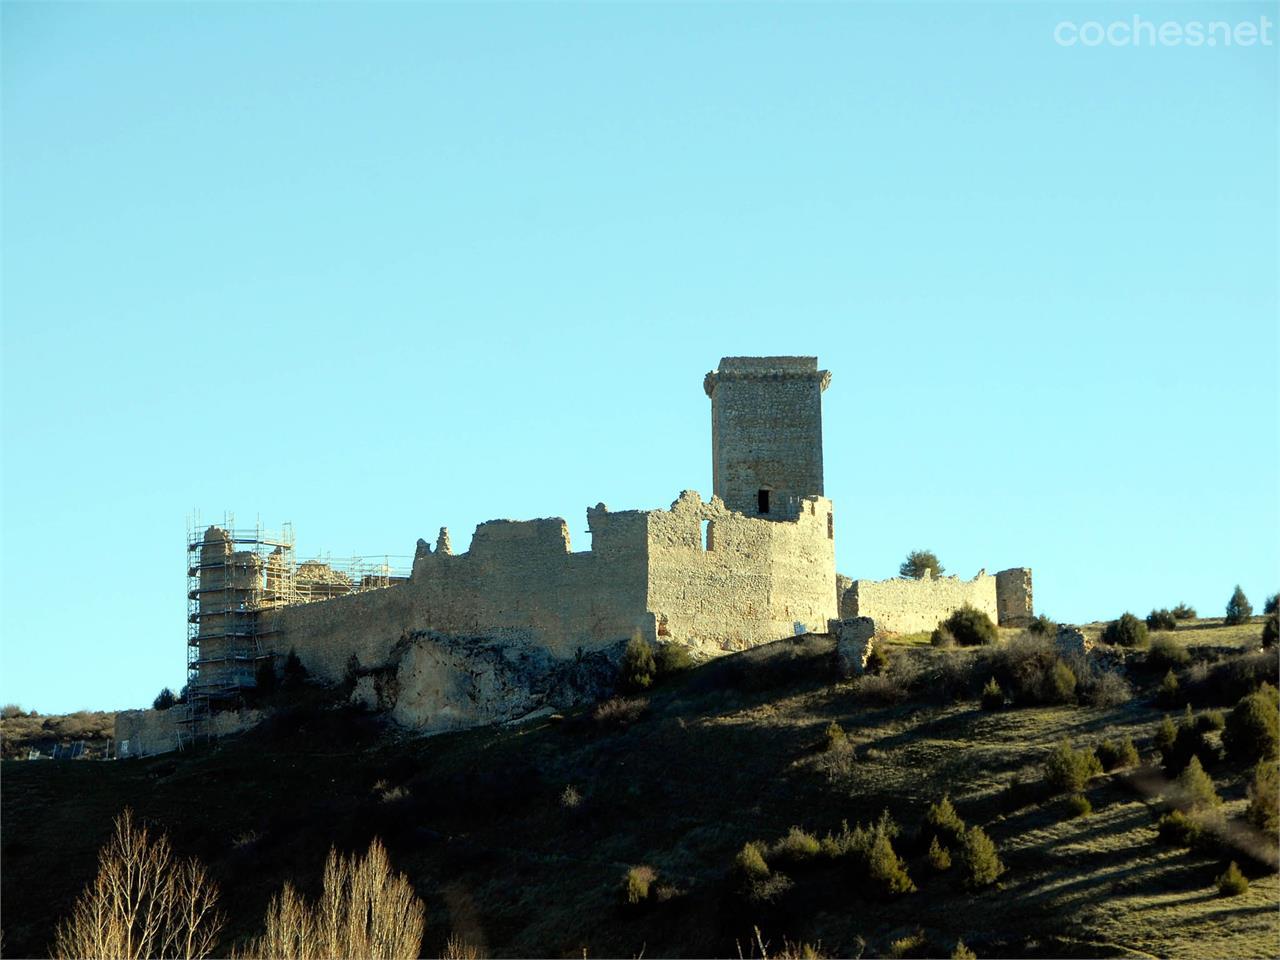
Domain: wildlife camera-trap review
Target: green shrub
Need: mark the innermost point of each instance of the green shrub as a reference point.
(979, 858)
(961, 952)
(1162, 620)
(1114, 755)
(939, 856)
(1128, 631)
(1060, 685)
(917, 562)
(1168, 695)
(638, 667)
(1264, 797)
(672, 657)
(1167, 652)
(1211, 720)
(1078, 805)
(1184, 612)
(770, 889)
(1178, 829)
(164, 700)
(992, 696)
(1272, 604)
(910, 946)
(1042, 626)
(942, 820)
(1068, 770)
(877, 661)
(1165, 736)
(636, 883)
(1188, 742)
(1270, 630)
(750, 862)
(942, 637)
(1194, 788)
(797, 845)
(835, 739)
(885, 868)
(1252, 732)
(971, 627)
(1239, 610)
(1231, 882)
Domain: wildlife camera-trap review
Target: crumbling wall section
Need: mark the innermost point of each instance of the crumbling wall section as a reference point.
(518, 585)
(910, 606)
(721, 581)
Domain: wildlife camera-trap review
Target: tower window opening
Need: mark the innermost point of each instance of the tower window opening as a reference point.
(831, 527)
(762, 501)
(708, 536)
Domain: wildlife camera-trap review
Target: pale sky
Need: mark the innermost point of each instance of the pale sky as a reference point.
(378, 268)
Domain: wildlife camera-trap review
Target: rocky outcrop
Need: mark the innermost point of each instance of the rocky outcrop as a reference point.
(436, 682)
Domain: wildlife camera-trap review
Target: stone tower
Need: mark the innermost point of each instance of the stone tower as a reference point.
(766, 432)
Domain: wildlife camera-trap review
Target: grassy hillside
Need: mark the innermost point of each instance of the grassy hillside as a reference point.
(725, 754)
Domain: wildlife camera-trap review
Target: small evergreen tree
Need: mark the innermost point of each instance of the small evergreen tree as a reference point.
(1232, 882)
(1166, 734)
(750, 862)
(961, 952)
(1195, 788)
(1167, 695)
(885, 868)
(970, 627)
(942, 820)
(1272, 604)
(877, 661)
(835, 739)
(1161, 620)
(1117, 754)
(1252, 732)
(939, 856)
(164, 700)
(638, 667)
(979, 858)
(992, 695)
(1068, 770)
(1184, 612)
(672, 657)
(1128, 631)
(1271, 629)
(917, 562)
(1078, 805)
(1239, 610)
(1264, 797)
(1060, 684)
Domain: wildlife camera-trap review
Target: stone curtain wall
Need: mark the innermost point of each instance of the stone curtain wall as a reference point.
(1013, 597)
(647, 574)
(766, 429)
(752, 583)
(912, 606)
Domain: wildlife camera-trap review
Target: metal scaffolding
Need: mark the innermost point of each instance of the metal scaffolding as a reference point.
(234, 576)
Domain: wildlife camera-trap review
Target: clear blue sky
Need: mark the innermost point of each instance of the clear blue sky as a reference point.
(379, 268)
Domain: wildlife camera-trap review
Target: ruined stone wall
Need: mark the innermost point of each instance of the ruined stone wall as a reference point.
(647, 574)
(745, 580)
(143, 733)
(766, 429)
(519, 584)
(910, 606)
(1013, 597)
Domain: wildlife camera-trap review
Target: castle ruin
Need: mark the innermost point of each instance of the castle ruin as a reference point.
(520, 622)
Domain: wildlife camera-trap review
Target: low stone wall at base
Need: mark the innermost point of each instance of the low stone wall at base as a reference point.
(912, 606)
(144, 733)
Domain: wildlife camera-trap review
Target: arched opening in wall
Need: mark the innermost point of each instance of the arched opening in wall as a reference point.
(831, 527)
(762, 501)
(708, 536)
